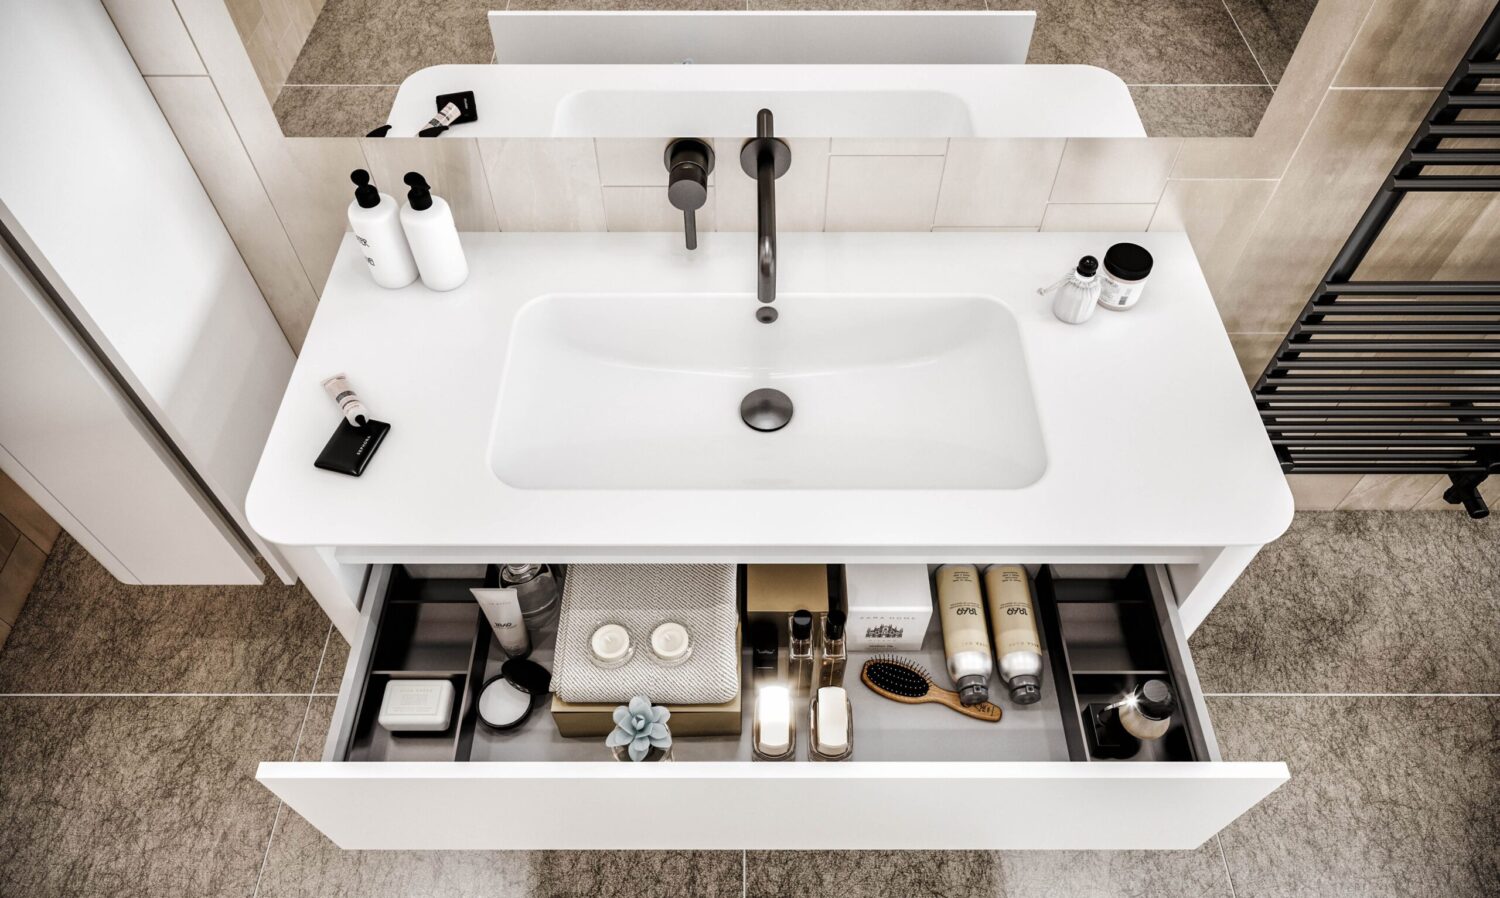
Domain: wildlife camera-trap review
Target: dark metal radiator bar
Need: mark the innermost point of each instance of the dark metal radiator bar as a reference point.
(1402, 377)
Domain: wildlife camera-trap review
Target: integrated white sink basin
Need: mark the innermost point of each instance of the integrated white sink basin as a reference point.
(630, 391)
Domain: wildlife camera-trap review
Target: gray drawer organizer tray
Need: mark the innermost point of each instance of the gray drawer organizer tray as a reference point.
(1102, 637)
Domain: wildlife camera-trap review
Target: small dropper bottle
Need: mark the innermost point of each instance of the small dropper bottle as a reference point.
(800, 652)
(833, 653)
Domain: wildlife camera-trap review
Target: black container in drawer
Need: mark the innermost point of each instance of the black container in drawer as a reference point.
(1105, 638)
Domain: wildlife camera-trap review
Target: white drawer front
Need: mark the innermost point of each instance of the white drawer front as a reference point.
(570, 801)
(771, 806)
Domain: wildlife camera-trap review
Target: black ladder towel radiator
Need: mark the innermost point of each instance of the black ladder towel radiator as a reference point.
(1402, 377)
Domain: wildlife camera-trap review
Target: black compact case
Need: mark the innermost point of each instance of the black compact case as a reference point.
(352, 446)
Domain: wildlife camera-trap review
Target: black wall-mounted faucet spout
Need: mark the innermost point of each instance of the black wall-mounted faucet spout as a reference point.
(765, 159)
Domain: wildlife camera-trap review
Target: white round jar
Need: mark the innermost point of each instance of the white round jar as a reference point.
(1126, 267)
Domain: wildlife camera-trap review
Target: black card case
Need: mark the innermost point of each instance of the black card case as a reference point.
(352, 447)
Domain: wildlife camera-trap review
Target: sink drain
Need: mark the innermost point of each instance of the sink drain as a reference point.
(766, 409)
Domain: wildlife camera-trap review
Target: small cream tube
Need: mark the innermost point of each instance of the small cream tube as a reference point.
(502, 608)
(343, 395)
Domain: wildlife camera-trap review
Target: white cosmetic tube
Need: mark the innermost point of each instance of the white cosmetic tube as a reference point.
(502, 608)
(340, 392)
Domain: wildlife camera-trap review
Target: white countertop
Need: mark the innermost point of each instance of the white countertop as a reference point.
(1152, 438)
(844, 101)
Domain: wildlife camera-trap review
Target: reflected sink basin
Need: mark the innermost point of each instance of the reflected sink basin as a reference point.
(643, 392)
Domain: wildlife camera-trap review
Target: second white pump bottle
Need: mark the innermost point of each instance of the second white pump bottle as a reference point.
(429, 227)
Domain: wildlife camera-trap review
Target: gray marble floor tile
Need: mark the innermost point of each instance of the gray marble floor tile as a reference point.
(629, 5)
(333, 111)
(122, 797)
(1175, 111)
(1389, 797)
(1361, 602)
(380, 42)
(979, 874)
(1182, 42)
(302, 862)
(1272, 28)
(84, 631)
(935, 5)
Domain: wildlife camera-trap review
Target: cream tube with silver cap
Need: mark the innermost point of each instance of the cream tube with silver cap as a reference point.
(965, 642)
(340, 392)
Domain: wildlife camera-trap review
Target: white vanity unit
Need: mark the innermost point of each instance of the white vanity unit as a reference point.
(578, 401)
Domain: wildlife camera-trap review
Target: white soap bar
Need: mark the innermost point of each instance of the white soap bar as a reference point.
(416, 706)
(774, 708)
(833, 720)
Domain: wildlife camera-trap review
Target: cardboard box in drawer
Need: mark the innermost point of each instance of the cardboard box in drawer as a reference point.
(597, 719)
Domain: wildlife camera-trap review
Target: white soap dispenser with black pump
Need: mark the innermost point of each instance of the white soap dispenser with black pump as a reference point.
(428, 223)
(375, 219)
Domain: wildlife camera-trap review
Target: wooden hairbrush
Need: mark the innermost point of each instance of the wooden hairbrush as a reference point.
(902, 681)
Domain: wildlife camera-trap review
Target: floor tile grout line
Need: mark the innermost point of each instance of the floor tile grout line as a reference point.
(4, 695)
(1253, 57)
(744, 873)
(265, 857)
(1224, 859)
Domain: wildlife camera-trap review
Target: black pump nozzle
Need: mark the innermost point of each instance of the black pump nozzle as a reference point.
(364, 192)
(420, 195)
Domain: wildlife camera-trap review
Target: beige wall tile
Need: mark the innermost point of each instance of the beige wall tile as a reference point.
(17, 577)
(844, 146)
(1097, 216)
(264, 52)
(1389, 492)
(997, 183)
(452, 167)
(27, 516)
(1438, 236)
(1348, 151)
(156, 37)
(307, 179)
(247, 15)
(1433, 500)
(647, 209)
(1218, 217)
(1320, 492)
(1412, 43)
(882, 193)
(1326, 39)
(207, 136)
(1254, 351)
(631, 162)
(544, 185)
(1114, 170)
(801, 193)
(1016, 230)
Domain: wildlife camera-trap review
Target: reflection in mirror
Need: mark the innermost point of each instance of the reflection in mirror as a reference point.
(336, 67)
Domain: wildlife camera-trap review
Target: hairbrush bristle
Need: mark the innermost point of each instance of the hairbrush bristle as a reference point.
(897, 676)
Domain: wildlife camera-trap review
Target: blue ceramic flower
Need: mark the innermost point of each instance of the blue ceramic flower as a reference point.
(641, 726)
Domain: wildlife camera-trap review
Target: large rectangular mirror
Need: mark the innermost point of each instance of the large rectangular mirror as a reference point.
(1190, 68)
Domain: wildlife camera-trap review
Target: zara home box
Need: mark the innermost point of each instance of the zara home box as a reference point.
(890, 606)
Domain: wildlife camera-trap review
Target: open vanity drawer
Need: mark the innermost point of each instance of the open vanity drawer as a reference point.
(922, 777)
